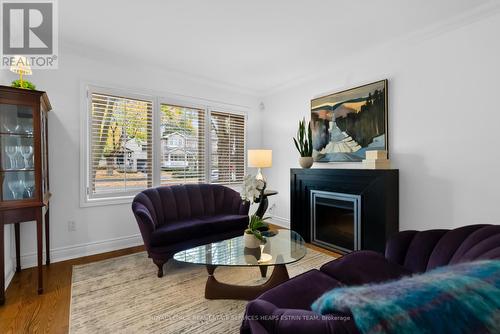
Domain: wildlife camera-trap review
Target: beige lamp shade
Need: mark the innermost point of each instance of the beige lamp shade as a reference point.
(260, 158)
(21, 66)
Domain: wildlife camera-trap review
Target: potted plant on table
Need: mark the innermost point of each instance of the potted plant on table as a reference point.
(253, 235)
(252, 192)
(303, 143)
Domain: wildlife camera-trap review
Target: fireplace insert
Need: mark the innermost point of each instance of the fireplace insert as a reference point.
(336, 221)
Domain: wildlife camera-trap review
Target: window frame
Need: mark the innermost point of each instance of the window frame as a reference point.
(157, 99)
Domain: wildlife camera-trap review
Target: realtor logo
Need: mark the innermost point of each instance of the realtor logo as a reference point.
(29, 29)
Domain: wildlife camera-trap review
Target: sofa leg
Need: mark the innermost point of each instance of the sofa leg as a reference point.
(160, 263)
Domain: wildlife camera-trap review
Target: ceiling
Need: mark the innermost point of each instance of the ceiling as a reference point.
(256, 45)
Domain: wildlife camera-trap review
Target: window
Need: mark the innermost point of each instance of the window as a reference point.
(178, 157)
(174, 141)
(134, 142)
(120, 145)
(228, 147)
(187, 162)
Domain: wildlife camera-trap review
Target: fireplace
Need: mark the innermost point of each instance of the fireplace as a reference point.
(336, 220)
(344, 209)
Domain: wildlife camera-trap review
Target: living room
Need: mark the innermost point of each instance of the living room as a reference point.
(167, 132)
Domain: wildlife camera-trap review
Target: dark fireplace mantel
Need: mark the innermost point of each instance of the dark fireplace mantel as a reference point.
(378, 191)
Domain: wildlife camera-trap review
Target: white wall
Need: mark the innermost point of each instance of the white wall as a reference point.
(444, 121)
(9, 254)
(102, 228)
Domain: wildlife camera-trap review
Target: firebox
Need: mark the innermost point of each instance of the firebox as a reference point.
(336, 221)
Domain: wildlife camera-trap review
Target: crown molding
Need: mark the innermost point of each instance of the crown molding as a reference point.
(98, 54)
(480, 13)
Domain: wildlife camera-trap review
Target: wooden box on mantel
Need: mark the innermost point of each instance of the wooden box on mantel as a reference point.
(376, 159)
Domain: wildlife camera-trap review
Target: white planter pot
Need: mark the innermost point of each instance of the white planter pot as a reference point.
(306, 162)
(251, 241)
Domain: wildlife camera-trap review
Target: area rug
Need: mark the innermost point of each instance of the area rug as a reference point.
(123, 295)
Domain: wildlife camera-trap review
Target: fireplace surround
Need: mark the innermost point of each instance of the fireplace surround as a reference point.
(367, 199)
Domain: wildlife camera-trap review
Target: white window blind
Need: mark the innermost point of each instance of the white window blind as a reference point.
(134, 142)
(227, 140)
(120, 145)
(182, 142)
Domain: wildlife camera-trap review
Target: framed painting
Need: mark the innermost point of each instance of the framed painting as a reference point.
(347, 124)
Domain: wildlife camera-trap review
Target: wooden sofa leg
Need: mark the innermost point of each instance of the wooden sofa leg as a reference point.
(160, 263)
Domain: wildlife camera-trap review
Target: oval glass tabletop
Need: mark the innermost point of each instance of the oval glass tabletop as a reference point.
(285, 247)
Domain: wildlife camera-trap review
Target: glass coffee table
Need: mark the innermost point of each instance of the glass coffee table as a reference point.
(285, 247)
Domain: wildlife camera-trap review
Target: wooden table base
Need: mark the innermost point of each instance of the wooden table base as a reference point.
(217, 290)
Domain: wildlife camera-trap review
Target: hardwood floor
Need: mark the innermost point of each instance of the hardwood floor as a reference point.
(27, 312)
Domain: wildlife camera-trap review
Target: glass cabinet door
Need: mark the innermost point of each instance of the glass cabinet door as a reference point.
(45, 155)
(17, 150)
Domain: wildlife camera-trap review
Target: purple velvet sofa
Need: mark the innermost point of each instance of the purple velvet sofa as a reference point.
(286, 308)
(175, 218)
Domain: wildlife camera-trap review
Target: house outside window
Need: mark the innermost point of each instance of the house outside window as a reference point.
(195, 144)
(120, 136)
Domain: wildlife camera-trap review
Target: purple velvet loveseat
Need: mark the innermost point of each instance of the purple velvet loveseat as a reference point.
(175, 218)
(286, 308)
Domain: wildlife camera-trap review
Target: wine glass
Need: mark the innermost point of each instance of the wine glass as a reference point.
(11, 153)
(10, 124)
(30, 187)
(26, 125)
(19, 158)
(27, 153)
(17, 188)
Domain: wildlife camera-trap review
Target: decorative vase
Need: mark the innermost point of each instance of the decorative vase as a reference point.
(251, 241)
(306, 162)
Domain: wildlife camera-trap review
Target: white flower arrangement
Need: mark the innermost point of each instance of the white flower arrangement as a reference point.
(251, 188)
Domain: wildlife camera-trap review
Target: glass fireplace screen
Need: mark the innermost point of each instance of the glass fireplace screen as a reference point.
(335, 220)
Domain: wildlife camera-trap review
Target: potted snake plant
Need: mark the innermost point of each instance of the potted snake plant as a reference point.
(303, 143)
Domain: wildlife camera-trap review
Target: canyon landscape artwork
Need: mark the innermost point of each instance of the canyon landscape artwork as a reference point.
(347, 124)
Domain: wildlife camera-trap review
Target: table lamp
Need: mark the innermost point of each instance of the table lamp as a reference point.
(21, 66)
(260, 159)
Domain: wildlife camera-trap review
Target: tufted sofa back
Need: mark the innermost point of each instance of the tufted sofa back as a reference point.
(422, 251)
(173, 203)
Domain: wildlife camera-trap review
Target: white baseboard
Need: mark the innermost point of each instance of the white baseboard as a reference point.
(9, 275)
(85, 249)
(280, 221)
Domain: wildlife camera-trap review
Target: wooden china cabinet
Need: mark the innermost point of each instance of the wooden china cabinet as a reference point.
(24, 170)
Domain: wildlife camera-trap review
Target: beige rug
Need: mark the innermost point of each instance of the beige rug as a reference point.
(123, 295)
